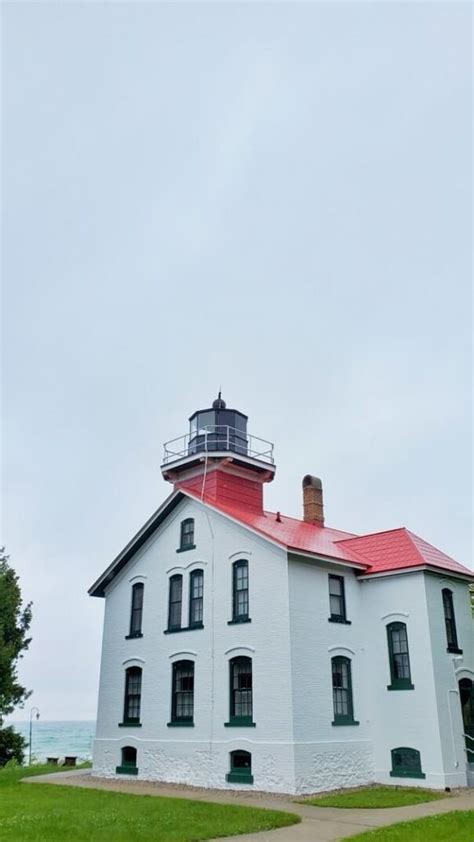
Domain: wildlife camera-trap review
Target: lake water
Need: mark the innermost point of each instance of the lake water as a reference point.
(56, 739)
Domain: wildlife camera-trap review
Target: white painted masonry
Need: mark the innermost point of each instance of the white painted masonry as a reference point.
(295, 747)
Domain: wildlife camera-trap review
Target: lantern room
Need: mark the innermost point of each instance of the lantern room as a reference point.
(218, 434)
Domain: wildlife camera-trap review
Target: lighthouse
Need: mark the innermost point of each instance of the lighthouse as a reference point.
(220, 459)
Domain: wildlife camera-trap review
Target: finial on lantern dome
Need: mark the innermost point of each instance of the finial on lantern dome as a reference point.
(219, 403)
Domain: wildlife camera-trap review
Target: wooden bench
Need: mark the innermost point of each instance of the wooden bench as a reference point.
(70, 761)
(52, 761)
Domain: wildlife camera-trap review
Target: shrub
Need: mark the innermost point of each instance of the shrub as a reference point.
(12, 746)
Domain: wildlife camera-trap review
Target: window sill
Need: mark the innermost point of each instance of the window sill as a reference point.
(180, 724)
(400, 686)
(184, 628)
(454, 650)
(240, 723)
(345, 722)
(126, 770)
(130, 725)
(238, 778)
(238, 620)
(407, 775)
(185, 549)
(341, 620)
(133, 636)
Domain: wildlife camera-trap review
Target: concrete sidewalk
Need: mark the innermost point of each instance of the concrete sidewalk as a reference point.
(318, 824)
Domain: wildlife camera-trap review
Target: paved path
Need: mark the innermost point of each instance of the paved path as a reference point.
(323, 824)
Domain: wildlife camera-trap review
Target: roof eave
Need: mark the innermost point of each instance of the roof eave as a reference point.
(327, 558)
(119, 562)
(424, 568)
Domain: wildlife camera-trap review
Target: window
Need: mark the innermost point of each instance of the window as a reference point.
(187, 535)
(133, 689)
(342, 692)
(174, 605)
(136, 611)
(399, 657)
(337, 599)
(128, 765)
(240, 768)
(196, 592)
(240, 592)
(450, 621)
(406, 763)
(240, 691)
(182, 693)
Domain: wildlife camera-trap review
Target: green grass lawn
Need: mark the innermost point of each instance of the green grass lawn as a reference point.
(448, 827)
(46, 813)
(376, 796)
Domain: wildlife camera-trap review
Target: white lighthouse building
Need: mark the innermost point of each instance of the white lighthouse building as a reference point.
(246, 649)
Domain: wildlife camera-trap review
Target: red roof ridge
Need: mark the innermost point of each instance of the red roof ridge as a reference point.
(372, 534)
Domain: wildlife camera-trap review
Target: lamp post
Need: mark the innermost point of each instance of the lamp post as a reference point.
(32, 711)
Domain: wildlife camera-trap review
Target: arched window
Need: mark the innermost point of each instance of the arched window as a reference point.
(240, 591)
(450, 621)
(241, 712)
(174, 602)
(186, 541)
(406, 763)
(399, 657)
(128, 764)
(182, 693)
(342, 691)
(240, 768)
(133, 690)
(196, 595)
(136, 611)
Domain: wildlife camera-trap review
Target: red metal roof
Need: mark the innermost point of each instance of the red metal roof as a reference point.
(398, 549)
(380, 552)
(289, 532)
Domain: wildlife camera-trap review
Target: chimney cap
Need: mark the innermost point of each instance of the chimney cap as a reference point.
(315, 482)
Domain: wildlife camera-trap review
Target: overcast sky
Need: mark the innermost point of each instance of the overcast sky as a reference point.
(271, 198)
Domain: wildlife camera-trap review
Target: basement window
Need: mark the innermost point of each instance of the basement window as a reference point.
(240, 768)
(128, 765)
(406, 763)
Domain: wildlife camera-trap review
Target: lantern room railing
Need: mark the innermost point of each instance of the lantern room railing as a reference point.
(218, 438)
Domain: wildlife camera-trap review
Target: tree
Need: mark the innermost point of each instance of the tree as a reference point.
(15, 621)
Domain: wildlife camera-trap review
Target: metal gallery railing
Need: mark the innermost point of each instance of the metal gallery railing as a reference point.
(218, 438)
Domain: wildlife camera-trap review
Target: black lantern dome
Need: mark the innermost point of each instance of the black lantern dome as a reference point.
(218, 429)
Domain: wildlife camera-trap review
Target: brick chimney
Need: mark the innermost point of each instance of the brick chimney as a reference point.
(313, 510)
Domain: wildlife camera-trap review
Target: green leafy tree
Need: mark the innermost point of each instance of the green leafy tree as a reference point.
(15, 620)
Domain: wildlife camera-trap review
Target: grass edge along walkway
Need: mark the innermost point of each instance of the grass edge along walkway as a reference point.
(375, 797)
(78, 814)
(456, 826)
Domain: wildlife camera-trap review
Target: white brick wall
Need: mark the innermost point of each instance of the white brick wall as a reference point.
(200, 755)
(294, 746)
